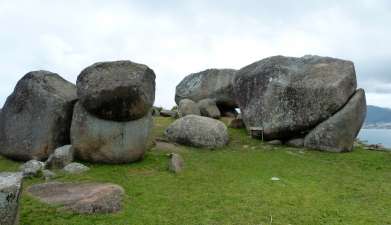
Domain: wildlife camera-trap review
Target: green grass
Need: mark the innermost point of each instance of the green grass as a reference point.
(232, 186)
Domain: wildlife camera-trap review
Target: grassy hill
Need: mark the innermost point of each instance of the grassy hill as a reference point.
(233, 185)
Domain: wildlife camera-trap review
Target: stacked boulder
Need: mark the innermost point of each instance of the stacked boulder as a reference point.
(36, 117)
(211, 89)
(312, 98)
(112, 120)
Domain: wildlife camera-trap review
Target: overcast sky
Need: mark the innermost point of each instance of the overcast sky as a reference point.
(176, 38)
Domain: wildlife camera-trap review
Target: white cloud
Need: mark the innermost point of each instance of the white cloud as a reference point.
(176, 38)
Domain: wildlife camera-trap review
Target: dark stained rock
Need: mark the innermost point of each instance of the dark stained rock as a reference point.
(215, 84)
(119, 90)
(97, 140)
(36, 117)
(60, 158)
(10, 191)
(286, 95)
(81, 198)
(198, 131)
(209, 108)
(176, 163)
(188, 107)
(337, 134)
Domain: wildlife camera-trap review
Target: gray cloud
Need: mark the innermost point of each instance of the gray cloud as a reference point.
(176, 38)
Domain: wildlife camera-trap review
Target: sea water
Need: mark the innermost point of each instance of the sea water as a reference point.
(376, 136)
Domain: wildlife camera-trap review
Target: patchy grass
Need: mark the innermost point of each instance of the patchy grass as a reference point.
(232, 186)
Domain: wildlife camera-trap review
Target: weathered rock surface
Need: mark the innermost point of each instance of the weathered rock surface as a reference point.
(176, 163)
(10, 190)
(82, 198)
(216, 84)
(295, 142)
(209, 108)
(75, 168)
(60, 158)
(32, 168)
(168, 113)
(97, 140)
(337, 134)
(36, 117)
(188, 107)
(198, 131)
(286, 95)
(119, 90)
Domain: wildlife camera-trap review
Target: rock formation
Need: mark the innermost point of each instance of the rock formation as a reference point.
(98, 140)
(198, 131)
(118, 91)
(188, 107)
(287, 97)
(216, 84)
(209, 108)
(81, 198)
(337, 134)
(36, 117)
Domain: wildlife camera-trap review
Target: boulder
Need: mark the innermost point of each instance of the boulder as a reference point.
(337, 134)
(32, 168)
(295, 142)
(216, 84)
(80, 198)
(287, 96)
(209, 108)
(198, 131)
(97, 140)
(61, 157)
(188, 107)
(176, 163)
(75, 168)
(36, 117)
(168, 113)
(119, 90)
(10, 190)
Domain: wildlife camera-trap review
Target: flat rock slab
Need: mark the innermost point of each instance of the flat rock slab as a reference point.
(82, 198)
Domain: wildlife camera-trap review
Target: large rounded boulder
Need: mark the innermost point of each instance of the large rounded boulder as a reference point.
(118, 91)
(97, 140)
(287, 96)
(337, 134)
(209, 108)
(188, 107)
(216, 84)
(198, 131)
(36, 117)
